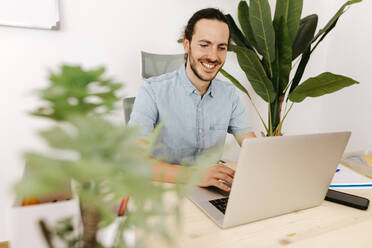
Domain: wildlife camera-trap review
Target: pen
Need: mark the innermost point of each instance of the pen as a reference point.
(123, 206)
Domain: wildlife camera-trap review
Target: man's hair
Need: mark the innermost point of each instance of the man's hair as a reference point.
(208, 13)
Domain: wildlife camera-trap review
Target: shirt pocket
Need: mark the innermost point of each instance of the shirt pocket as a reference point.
(219, 126)
(217, 133)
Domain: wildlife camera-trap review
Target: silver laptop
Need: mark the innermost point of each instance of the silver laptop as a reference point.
(274, 176)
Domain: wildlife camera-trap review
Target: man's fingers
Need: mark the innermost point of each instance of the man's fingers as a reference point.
(221, 185)
(224, 177)
(226, 170)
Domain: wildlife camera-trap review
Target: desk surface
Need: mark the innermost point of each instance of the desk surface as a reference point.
(330, 224)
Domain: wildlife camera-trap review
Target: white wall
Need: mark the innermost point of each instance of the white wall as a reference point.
(350, 53)
(112, 33)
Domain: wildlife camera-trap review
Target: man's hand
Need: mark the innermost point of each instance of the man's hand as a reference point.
(216, 175)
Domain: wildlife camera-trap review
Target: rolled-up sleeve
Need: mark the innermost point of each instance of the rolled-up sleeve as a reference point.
(239, 123)
(145, 111)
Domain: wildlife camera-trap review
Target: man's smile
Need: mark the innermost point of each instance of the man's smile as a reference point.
(209, 67)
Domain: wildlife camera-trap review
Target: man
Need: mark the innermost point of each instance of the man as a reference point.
(197, 108)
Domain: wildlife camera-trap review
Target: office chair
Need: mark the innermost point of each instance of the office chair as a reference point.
(153, 65)
(156, 64)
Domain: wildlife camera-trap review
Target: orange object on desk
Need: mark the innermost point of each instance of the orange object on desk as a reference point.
(123, 206)
(30, 201)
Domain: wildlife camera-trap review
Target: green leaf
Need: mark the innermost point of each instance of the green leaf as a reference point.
(242, 88)
(281, 68)
(236, 35)
(71, 90)
(324, 35)
(334, 18)
(283, 57)
(290, 10)
(44, 176)
(322, 84)
(235, 82)
(255, 73)
(263, 30)
(243, 16)
(300, 69)
(304, 35)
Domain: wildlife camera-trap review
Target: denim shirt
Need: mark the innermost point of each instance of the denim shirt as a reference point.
(192, 124)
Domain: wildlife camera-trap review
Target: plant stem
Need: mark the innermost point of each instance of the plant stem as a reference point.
(90, 218)
(270, 122)
(277, 131)
(263, 122)
(290, 83)
(47, 234)
(282, 121)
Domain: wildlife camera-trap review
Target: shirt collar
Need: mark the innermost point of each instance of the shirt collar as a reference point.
(189, 87)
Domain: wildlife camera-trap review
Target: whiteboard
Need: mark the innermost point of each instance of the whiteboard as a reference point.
(42, 14)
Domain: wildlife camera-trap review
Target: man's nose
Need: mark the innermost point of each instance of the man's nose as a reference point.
(212, 54)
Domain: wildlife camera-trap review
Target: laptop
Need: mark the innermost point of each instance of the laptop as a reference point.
(275, 176)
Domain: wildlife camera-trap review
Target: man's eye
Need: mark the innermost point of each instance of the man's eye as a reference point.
(222, 48)
(203, 45)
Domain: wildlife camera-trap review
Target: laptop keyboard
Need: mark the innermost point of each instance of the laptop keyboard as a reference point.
(220, 204)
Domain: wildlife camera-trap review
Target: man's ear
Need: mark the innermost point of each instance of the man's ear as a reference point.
(186, 45)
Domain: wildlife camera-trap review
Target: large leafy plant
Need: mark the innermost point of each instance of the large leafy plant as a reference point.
(269, 49)
(103, 159)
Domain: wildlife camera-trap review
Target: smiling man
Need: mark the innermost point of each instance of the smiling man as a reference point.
(198, 109)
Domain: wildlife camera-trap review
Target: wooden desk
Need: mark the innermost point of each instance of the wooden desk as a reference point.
(3, 244)
(329, 225)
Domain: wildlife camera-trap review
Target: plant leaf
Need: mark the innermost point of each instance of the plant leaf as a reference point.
(263, 30)
(334, 18)
(304, 35)
(283, 57)
(236, 35)
(322, 84)
(243, 16)
(242, 88)
(300, 69)
(281, 68)
(255, 73)
(291, 11)
(235, 82)
(71, 91)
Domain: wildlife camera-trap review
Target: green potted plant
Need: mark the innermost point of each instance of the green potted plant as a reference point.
(104, 160)
(268, 49)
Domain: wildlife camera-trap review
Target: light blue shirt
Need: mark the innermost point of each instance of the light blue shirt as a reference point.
(192, 124)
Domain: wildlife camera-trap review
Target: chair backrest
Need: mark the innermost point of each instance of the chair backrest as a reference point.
(157, 64)
(153, 65)
(128, 106)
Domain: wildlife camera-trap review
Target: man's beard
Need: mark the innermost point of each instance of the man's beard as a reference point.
(193, 65)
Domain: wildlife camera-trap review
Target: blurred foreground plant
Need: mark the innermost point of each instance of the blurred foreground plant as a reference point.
(103, 159)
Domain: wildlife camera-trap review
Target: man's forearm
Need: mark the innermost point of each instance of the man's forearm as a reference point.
(240, 137)
(166, 172)
(170, 173)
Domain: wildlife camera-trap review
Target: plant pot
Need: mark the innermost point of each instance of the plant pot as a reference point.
(25, 227)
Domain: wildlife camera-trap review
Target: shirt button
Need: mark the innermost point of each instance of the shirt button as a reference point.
(200, 130)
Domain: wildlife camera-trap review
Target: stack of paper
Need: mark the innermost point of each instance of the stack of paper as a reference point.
(346, 178)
